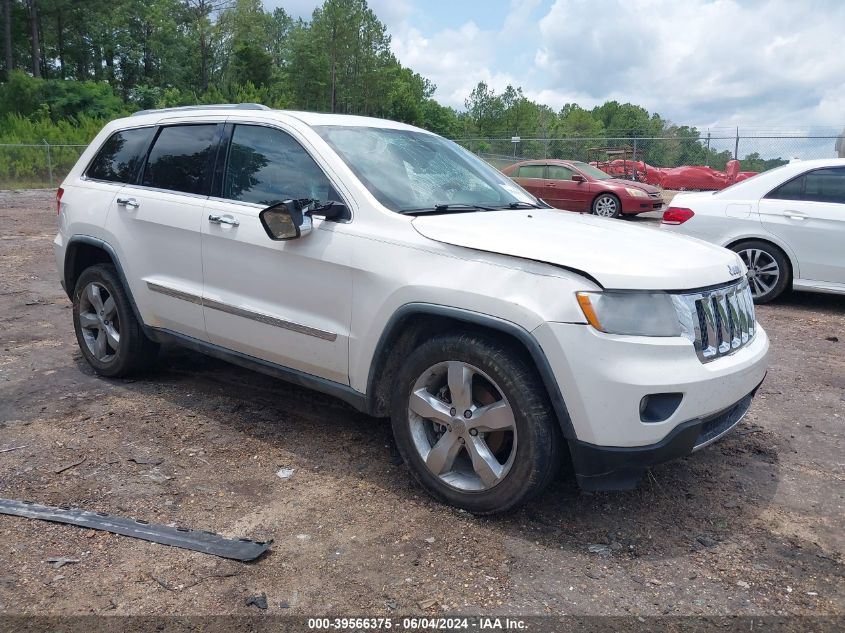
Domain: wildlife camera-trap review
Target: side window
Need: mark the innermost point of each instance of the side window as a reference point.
(121, 156)
(558, 172)
(791, 190)
(266, 166)
(825, 185)
(180, 159)
(531, 171)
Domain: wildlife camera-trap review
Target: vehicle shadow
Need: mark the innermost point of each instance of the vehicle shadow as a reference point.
(815, 301)
(695, 502)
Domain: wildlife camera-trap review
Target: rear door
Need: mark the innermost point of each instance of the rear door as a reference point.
(532, 178)
(808, 213)
(157, 224)
(288, 302)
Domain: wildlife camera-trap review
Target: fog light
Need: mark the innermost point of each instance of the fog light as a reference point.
(659, 407)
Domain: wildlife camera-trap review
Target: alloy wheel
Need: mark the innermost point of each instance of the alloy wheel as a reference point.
(99, 322)
(462, 426)
(763, 271)
(606, 206)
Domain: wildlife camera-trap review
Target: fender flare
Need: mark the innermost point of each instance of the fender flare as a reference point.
(522, 335)
(109, 250)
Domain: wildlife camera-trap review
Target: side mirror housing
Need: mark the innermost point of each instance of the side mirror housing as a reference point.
(286, 221)
(578, 178)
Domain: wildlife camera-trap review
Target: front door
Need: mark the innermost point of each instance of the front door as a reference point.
(808, 214)
(567, 193)
(288, 303)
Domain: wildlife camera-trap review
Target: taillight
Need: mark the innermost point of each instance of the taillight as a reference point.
(59, 193)
(677, 215)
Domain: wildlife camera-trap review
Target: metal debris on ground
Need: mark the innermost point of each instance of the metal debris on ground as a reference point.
(62, 469)
(197, 540)
(60, 562)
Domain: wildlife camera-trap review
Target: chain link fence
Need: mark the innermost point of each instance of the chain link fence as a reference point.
(36, 165)
(755, 152)
(44, 165)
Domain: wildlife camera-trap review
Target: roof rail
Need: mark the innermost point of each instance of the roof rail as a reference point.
(216, 106)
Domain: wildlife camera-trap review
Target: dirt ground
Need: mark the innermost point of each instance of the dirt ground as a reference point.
(752, 525)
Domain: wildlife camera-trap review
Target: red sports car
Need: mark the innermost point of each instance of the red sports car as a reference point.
(577, 186)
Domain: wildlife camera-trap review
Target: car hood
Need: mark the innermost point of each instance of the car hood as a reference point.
(632, 184)
(615, 253)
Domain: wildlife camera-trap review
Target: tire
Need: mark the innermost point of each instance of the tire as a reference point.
(511, 422)
(109, 335)
(607, 205)
(768, 269)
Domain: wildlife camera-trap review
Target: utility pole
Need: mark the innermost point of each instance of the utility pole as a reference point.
(7, 25)
(736, 145)
(36, 45)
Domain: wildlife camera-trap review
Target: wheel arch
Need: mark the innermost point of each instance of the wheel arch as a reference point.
(414, 323)
(793, 265)
(84, 251)
(606, 193)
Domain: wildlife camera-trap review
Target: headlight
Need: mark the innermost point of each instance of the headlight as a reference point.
(633, 313)
(637, 193)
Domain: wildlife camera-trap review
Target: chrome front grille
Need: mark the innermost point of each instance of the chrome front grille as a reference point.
(718, 322)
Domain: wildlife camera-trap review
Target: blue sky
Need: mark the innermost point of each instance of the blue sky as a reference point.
(709, 63)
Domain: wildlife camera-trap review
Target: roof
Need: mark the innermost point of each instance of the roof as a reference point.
(259, 111)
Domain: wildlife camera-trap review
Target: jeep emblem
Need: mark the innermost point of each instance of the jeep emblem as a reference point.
(734, 269)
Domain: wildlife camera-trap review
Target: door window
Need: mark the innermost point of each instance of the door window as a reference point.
(820, 185)
(825, 185)
(121, 156)
(267, 166)
(531, 171)
(558, 172)
(180, 159)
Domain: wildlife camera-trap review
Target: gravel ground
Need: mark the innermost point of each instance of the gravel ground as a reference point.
(751, 525)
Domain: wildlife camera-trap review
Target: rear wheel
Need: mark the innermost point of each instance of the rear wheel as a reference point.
(109, 335)
(768, 269)
(607, 206)
(474, 424)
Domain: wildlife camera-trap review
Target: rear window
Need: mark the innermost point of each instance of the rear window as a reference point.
(181, 158)
(121, 156)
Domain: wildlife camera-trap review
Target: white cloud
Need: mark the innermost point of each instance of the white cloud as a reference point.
(701, 62)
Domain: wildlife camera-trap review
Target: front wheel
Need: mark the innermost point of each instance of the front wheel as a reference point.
(607, 206)
(474, 424)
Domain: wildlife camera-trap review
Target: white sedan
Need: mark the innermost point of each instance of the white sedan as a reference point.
(787, 225)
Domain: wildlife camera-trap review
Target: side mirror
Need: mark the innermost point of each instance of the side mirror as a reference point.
(286, 221)
(578, 178)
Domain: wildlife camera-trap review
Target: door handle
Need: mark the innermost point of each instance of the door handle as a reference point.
(795, 215)
(129, 203)
(228, 220)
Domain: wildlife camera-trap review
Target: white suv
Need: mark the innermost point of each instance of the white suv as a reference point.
(389, 267)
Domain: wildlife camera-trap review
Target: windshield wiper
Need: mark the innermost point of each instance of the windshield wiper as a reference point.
(445, 208)
(520, 204)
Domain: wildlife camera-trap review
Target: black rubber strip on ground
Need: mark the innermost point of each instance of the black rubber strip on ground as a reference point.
(197, 540)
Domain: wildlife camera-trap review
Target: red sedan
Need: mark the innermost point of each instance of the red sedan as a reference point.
(577, 186)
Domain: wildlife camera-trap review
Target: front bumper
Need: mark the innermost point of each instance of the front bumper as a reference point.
(604, 379)
(602, 468)
(632, 205)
